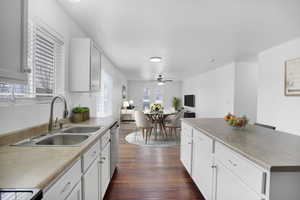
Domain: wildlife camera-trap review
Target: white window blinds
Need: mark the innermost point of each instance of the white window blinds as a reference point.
(45, 55)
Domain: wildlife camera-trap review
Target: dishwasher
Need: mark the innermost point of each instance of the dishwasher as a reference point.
(114, 148)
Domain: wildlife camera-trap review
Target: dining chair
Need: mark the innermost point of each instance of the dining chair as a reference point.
(174, 124)
(142, 123)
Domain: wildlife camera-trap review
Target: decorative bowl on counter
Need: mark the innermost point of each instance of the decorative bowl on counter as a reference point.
(236, 122)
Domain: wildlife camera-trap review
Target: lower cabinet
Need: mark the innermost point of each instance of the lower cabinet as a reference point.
(229, 186)
(61, 189)
(186, 147)
(91, 182)
(218, 172)
(76, 194)
(88, 178)
(105, 169)
(202, 164)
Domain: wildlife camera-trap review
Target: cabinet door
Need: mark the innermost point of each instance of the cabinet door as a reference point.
(202, 173)
(76, 194)
(13, 40)
(80, 65)
(228, 186)
(105, 169)
(91, 182)
(186, 151)
(95, 68)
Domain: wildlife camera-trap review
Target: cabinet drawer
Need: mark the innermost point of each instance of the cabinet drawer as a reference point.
(186, 129)
(105, 139)
(197, 135)
(246, 170)
(64, 185)
(91, 155)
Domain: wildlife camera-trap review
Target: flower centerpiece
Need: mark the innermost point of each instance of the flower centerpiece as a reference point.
(236, 122)
(156, 107)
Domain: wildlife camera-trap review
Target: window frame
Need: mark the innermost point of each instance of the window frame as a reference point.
(30, 96)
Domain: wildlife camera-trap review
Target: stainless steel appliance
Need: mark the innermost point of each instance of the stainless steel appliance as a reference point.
(20, 194)
(114, 148)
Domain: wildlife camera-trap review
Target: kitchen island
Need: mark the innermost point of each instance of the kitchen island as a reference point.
(251, 163)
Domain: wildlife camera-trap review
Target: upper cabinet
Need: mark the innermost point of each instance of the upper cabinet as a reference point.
(13, 40)
(85, 66)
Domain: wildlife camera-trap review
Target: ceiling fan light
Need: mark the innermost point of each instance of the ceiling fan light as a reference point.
(155, 59)
(160, 83)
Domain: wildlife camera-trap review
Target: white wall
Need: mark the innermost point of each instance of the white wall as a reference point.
(92, 100)
(169, 90)
(214, 91)
(274, 108)
(245, 90)
(14, 117)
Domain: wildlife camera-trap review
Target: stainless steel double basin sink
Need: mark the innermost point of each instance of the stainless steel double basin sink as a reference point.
(72, 136)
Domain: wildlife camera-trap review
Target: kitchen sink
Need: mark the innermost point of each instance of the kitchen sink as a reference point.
(71, 136)
(62, 140)
(82, 129)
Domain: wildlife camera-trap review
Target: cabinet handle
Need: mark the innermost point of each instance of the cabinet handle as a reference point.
(65, 187)
(27, 70)
(94, 153)
(103, 158)
(100, 162)
(214, 166)
(232, 163)
(189, 143)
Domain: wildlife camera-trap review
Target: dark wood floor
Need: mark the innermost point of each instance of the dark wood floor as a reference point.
(147, 173)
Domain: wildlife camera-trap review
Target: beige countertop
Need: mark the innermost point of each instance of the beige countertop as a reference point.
(36, 167)
(273, 150)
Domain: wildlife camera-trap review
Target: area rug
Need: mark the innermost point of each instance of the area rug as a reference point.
(137, 139)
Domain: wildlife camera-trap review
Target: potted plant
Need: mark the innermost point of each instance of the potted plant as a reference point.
(80, 114)
(86, 113)
(176, 103)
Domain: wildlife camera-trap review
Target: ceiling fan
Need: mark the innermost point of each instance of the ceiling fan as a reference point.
(160, 79)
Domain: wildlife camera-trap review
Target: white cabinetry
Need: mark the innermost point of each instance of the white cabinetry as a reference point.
(65, 184)
(76, 194)
(218, 172)
(105, 167)
(202, 173)
(88, 178)
(248, 172)
(230, 187)
(186, 147)
(85, 64)
(91, 182)
(13, 40)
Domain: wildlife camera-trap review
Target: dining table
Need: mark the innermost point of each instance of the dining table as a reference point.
(158, 119)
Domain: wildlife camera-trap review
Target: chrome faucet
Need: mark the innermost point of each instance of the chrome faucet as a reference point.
(65, 113)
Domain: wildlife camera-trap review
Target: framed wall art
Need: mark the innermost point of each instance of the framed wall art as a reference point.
(292, 77)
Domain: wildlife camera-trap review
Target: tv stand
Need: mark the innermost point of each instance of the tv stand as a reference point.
(189, 114)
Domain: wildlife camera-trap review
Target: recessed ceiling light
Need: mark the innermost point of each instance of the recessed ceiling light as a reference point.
(74, 1)
(160, 83)
(155, 59)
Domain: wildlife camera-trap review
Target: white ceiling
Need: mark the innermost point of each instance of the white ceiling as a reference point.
(186, 33)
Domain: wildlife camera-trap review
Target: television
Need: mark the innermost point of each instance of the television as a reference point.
(189, 100)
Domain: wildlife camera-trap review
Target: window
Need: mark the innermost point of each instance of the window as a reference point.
(106, 95)
(45, 54)
(146, 99)
(159, 95)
